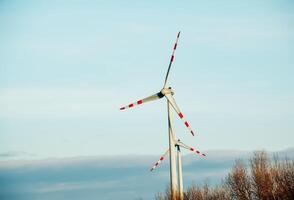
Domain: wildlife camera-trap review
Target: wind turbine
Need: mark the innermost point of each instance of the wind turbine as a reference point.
(174, 143)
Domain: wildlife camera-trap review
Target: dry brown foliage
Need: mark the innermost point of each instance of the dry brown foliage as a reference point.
(238, 182)
(261, 180)
(206, 193)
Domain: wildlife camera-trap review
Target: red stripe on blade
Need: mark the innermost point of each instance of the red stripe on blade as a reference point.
(191, 149)
(139, 102)
(131, 105)
(122, 108)
(175, 46)
(172, 58)
(161, 158)
(181, 115)
(186, 123)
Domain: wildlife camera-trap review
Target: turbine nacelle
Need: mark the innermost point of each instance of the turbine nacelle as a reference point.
(166, 91)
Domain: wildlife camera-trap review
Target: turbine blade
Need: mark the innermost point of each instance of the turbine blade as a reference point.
(177, 109)
(145, 100)
(159, 161)
(171, 59)
(190, 148)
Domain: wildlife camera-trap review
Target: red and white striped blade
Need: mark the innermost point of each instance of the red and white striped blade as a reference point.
(159, 161)
(190, 148)
(141, 101)
(171, 59)
(177, 109)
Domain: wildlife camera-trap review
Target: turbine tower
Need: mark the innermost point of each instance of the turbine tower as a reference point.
(176, 180)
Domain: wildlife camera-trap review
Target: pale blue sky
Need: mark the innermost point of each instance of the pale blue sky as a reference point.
(66, 68)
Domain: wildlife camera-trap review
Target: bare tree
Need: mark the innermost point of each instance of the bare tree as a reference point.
(261, 176)
(283, 178)
(238, 182)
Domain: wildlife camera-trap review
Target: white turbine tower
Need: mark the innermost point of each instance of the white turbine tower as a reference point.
(174, 150)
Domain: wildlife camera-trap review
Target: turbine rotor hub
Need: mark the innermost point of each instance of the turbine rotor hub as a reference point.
(165, 91)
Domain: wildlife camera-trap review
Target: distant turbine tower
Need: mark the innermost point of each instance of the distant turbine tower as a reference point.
(174, 143)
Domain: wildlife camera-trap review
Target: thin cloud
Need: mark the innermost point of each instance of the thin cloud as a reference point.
(15, 154)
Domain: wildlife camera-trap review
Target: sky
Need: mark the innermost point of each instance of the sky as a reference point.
(67, 67)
